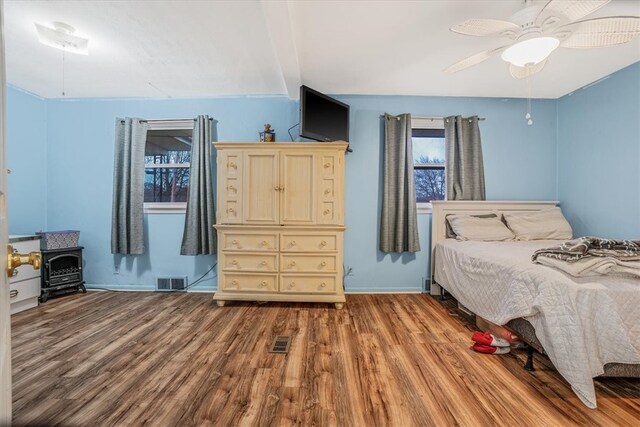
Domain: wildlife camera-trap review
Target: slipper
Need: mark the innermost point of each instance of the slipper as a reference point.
(487, 339)
(487, 349)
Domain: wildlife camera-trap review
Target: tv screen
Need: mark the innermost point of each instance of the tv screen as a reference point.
(323, 118)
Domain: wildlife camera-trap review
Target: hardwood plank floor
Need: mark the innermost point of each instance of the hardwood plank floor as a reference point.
(116, 358)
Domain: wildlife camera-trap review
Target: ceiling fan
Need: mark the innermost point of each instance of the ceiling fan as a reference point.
(533, 33)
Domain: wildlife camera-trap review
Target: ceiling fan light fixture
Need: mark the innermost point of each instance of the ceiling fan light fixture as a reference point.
(531, 51)
(62, 37)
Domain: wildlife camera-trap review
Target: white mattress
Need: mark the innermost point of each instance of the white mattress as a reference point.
(583, 323)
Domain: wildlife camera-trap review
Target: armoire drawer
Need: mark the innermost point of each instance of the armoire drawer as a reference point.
(250, 242)
(299, 284)
(19, 291)
(237, 282)
(308, 242)
(233, 261)
(292, 263)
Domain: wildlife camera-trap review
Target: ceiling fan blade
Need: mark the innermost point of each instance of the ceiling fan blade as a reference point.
(473, 60)
(601, 32)
(485, 27)
(527, 70)
(571, 10)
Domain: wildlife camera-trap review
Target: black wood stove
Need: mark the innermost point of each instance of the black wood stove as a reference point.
(61, 272)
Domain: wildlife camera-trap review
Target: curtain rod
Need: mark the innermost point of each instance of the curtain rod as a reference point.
(167, 120)
(431, 118)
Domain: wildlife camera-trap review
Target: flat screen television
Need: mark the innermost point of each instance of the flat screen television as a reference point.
(321, 117)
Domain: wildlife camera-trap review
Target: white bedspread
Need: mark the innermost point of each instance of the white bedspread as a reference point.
(583, 323)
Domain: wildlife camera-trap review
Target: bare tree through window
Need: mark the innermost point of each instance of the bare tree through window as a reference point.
(429, 164)
(167, 166)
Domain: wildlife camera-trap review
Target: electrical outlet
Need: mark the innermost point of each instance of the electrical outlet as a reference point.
(116, 269)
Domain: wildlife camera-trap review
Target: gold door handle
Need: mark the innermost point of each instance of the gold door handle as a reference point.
(14, 260)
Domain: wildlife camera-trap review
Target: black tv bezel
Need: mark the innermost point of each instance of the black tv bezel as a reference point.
(315, 136)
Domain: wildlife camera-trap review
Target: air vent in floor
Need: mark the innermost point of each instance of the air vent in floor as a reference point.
(280, 344)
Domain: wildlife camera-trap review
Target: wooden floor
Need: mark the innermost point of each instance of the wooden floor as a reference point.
(116, 358)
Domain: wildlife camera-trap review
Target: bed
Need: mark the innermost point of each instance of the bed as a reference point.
(588, 327)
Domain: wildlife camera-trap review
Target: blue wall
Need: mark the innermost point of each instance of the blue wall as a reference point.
(519, 165)
(599, 156)
(539, 162)
(81, 137)
(26, 152)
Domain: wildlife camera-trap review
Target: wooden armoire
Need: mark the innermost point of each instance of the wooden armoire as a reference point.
(280, 221)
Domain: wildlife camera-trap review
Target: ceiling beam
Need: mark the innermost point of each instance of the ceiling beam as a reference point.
(278, 21)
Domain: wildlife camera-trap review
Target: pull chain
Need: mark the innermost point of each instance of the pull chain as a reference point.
(63, 72)
(528, 115)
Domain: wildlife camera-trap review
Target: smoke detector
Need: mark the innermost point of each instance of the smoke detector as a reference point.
(62, 37)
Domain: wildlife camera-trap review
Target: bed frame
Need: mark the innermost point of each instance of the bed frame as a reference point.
(520, 326)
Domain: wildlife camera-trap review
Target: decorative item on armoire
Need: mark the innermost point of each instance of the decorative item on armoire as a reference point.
(268, 135)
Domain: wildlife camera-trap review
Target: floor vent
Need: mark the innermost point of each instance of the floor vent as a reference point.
(280, 344)
(171, 283)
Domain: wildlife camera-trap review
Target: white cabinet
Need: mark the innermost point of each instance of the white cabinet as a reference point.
(24, 286)
(280, 221)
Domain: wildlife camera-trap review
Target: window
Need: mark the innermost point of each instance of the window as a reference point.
(428, 141)
(167, 158)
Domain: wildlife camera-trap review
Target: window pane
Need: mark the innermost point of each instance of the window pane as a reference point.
(168, 146)
(166, 184)
(430, 184)
(428, 151)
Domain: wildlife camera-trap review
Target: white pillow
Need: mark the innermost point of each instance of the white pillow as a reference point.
(548, 224)
(468, 227)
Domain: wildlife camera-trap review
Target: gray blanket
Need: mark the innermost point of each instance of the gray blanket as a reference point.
(576, 249)
(591, 256)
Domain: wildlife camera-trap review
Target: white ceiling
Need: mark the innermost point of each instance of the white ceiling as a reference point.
(221, 48)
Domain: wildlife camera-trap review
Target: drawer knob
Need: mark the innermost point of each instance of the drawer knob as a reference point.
(327, 165)
(13, 293)
(327, 212)
(231, 187)
(234, 282)
(231, 210)
(323, 243)
(323, 284)
(262, 284)
(264, 243)
(263, 263)
(233, 165)
(292, 284)
(327, 191)
(293, 243)
(323, 263)
(234, 262)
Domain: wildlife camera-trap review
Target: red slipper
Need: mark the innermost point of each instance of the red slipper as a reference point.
(487, 349)
(487, 339)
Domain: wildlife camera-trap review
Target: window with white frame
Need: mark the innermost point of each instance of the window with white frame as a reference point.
(167, 163)
(427, 137)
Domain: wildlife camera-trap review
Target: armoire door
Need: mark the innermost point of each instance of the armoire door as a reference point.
(261, 188)
(299, 188)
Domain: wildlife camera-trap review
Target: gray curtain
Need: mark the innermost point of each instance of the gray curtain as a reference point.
(128, 187)
(398, 224)
(464, 167)
(199, 237)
